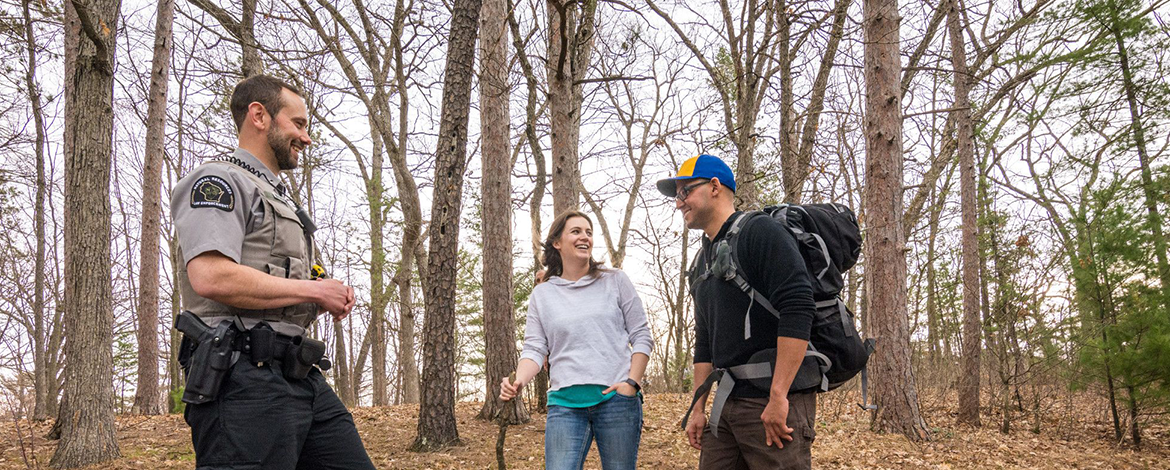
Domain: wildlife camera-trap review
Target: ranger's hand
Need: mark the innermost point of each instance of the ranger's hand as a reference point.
(695, 427)
(334, 297)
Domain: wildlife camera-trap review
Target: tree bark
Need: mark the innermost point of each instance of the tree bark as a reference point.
(378, 294)
(498, 314)
(174, 370)
(681, 355)
(570, 46)
(933, 315)
(412, 219)
(436, 422)
(530, 136)
(964, 135)
(40, 373)
(87, 412)
(1135, 430)
(342, 367)
(250, 62)
(796, 172)
(791, 173)
(147, 399)
(894, 389)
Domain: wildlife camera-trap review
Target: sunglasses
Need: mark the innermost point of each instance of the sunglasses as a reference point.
(685, 191)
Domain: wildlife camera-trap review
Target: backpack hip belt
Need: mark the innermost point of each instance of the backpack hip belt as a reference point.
(726, 378)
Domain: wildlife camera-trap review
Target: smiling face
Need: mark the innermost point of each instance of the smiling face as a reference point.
(288, 133)
(576, 241)
(694, 200)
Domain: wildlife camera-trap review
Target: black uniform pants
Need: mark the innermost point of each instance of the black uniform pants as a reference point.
(263, 421)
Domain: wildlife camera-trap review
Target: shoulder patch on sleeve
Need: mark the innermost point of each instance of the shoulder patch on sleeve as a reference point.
(213, 191)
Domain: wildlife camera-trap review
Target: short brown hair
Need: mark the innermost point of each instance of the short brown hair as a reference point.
(261, 89)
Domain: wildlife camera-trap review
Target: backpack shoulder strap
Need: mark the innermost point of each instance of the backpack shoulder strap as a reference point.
(694, 277)
(740, 280)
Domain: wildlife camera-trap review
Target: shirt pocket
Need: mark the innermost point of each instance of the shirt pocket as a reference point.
(289, 239)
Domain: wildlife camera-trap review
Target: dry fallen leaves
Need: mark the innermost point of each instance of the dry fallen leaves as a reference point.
(843, 441)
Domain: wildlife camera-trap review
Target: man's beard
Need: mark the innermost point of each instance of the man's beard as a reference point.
(697, 222)
(282, 150)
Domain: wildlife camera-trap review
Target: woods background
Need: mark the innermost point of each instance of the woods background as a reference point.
(1006, 160)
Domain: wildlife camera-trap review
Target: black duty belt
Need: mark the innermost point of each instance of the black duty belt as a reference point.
(208, 353)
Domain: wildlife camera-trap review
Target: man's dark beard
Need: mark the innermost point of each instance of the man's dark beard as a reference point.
(281, 149)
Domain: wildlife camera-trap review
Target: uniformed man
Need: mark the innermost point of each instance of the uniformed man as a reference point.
(247, 252)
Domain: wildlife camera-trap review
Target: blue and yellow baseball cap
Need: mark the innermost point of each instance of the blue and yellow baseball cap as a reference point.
(702, 166)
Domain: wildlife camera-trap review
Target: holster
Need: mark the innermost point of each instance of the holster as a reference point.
(302, 354)
(213, 355)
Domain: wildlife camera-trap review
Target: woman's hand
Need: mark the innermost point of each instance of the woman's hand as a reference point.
(509, 389)
(622, 388)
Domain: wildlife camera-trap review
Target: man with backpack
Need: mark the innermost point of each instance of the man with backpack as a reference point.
(753, 314)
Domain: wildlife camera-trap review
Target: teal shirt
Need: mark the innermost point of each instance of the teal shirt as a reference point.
(580, 396)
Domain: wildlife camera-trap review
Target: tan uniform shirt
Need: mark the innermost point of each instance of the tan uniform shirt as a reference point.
(223, 207)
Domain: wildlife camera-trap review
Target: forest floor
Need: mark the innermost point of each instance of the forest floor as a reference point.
(843, 440)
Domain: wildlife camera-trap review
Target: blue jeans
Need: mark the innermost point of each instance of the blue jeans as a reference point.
(616, 423)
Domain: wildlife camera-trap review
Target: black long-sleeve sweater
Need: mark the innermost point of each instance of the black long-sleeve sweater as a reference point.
(773, 266)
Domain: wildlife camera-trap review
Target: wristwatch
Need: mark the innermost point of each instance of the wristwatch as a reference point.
(633, 383)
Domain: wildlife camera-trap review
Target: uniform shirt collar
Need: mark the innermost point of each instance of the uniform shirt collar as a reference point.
(247, 157)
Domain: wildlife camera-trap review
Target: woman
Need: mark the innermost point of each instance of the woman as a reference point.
(589, 323)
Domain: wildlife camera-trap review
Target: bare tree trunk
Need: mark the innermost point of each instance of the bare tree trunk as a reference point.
(932, 311)
(341, 367)
(175, 373)
(964, 134)
(680, 314)
(564, 118)
(381, 59)
(790, 168)
(407, 366)
(147, 399)
(40, 379)
(796, 172)
(250, 62)
(378, 297)
(893, 380)
(412, 221)
(1135, 430)
(359, 363)
(498, 314)
(530, 136)
(55, 357)
(570, 46)
(87, 413)
(436, 421)
(174, 370)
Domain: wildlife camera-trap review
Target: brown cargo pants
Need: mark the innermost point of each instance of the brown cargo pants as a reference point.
(742, 445)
